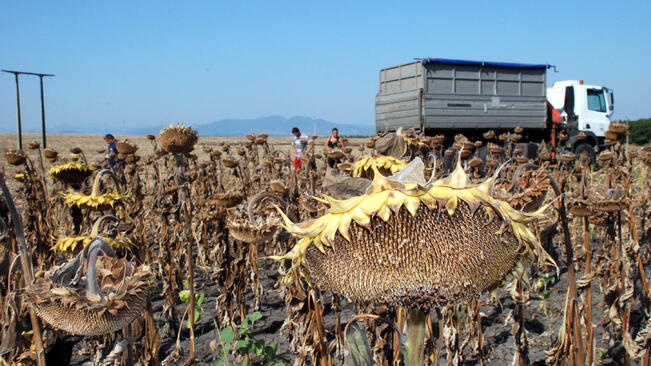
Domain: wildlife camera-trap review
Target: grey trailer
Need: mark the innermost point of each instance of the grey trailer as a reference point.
(443, 95)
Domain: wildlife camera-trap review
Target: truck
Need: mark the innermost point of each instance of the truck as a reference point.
(449, 96)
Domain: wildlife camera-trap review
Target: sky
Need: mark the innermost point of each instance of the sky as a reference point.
(144, 63)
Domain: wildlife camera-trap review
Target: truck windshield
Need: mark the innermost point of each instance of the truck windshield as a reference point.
(596, 100)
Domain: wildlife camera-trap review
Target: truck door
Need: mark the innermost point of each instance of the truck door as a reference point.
(597, 111)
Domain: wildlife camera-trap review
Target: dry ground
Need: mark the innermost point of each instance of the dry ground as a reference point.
(91, 143)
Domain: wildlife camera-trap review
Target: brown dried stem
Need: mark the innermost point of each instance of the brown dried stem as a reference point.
(25, 260)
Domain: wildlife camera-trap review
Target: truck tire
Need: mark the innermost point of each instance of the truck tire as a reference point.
(587, 149)
(529, 149)
(482, 153)
(532, 150)
(448, 162)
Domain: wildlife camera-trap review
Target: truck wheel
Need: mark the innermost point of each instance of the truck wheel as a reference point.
(482, 153)
(532, 150)
(448, 162)
(529, 149)
(585, 149)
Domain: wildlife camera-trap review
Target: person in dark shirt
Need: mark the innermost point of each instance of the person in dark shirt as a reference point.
(112, 151)
(333, 142)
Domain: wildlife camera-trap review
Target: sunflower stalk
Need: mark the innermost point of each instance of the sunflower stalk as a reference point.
(589, 333)
(186, 209)
(569, 334)
(416, 323)
(42, 177)
(97, 182)
(25, 261)
(94, 231)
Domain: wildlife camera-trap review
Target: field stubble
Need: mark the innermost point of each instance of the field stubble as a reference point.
(259, 286)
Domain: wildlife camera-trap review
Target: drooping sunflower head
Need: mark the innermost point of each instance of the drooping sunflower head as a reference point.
(23, 177)
(123, 289)
(68, 244)
(178, 139)
(126, 147)
(15, 157)
(246, 232)
(227, 199)
(414, 142)
(386, 165)
(407, 242)
(71, 173)
(99, 202)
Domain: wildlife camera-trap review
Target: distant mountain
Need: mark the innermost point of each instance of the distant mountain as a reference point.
(273, 125)
(63, 128)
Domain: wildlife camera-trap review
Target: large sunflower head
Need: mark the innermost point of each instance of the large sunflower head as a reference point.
(408, 242)
(93, 294)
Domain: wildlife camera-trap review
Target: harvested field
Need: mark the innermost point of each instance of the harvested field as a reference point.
(193, 235)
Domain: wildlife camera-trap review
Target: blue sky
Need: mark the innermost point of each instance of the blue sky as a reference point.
(148, 63)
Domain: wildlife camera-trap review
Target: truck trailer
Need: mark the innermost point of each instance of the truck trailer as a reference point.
(447, 96)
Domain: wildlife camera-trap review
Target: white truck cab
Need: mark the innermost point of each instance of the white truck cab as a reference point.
(591, 106)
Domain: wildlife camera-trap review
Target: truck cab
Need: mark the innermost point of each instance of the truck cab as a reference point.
(586, 108)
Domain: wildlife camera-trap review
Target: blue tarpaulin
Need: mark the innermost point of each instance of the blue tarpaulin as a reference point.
(428, 60)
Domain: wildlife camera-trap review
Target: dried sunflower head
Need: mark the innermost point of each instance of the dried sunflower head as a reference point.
(334, 153)
(414, 142)
(110, 199)
(95, 199)
(70, 243)
(618, 128)
(126, 147)
(227, 199)
(110, 295)
(278, 186)
(242, 230)
(385, 164)
(230, 162)
(178, 139)
(50, 153)
(15, 157)
(410, 243)
(22, 177)
(71, 173)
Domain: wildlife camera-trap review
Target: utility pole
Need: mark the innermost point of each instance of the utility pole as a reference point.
(20, 128)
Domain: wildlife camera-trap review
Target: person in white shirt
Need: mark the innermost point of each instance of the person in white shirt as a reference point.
(301, 145)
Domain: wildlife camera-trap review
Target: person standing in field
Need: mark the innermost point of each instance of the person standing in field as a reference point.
(334, 141)
(111, 157)
(301, 145)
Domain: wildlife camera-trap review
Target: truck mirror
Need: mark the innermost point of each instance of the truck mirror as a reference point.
(568, 106)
